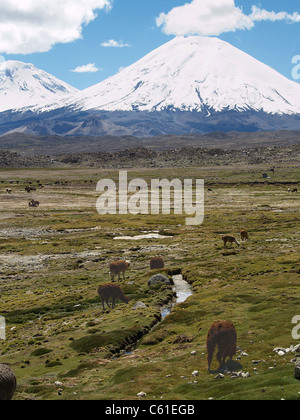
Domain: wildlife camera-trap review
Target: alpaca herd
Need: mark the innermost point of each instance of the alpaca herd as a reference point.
(222, 335)
(231, 239)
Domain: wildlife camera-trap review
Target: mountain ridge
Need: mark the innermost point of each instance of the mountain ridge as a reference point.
(192, 74)
(22, 85)
(188, 85)
(53, 145)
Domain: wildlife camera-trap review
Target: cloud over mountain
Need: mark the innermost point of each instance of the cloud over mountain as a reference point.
(115, 44)
(207, 18)
(86, 68)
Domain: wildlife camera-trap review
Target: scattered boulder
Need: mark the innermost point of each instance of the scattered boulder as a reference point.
(141, 394)
(158, 278)
(240, 374)
(182, 338)
(281, 351)
(139, 305)
(297, 348)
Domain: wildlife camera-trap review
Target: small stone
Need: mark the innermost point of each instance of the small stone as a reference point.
(141, 394)
(193, 353)
(139, 305)
(297, 348)
(57, 383)
(195, 373)
(219, 376)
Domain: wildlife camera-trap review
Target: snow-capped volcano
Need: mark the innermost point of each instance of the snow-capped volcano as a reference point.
(211, 85)
(23, 85)
(193, 74)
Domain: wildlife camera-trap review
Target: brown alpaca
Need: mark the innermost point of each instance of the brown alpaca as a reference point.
(118, 267)
(223, 335)
(244, 235)
(230, 239)
(113, 291)
(156, 263)
(8, 383)
(33, 203)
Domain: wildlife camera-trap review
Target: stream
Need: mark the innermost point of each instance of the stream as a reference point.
(183, 290)
(145, 235)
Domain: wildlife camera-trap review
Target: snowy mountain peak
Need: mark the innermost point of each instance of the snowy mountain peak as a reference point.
(23, 85)
(193, 74)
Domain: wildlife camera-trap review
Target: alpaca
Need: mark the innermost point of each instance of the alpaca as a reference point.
(230, 239)
(156, 263)
(118, 267)
(244, 235)
(33, 203)
(8, 383)
(223, 335)
(113, 291)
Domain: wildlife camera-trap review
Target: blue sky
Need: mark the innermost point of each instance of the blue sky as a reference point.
(270, 33)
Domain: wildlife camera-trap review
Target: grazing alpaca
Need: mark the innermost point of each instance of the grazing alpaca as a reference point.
(244, 235)
(294, 190)
(230, 239)
(156, 263)
(113, 291)
(8, 383)
(223, 335)
(118, 267)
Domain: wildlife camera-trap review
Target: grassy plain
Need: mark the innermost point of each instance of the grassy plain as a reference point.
(62, 345)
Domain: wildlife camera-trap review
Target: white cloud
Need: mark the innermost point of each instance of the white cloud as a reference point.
(87, 68)
(204, 17)
(261, 14)
(115, 44)
(212, 18)
(29, 26)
